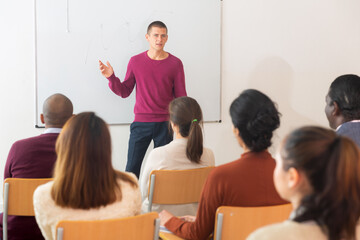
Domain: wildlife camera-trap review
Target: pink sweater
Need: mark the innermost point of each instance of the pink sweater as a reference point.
(158, 82)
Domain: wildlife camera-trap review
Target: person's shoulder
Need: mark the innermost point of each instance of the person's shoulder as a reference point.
(225, 171)
(129, 191)
(208, 150)
(158, 153)
(348, 127)
(140, 56)
(288, 230)
(227, 166)
(42, 193)
(46, 187)
(28, 140)
(218, 172)
(130, 175)
(39, 138)
(174, 59)
(208, 156)
(22, 146)
(273, 231)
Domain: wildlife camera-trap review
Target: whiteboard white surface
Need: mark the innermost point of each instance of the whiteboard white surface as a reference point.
(72, 35)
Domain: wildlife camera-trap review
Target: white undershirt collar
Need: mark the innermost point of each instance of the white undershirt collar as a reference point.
(52, 130)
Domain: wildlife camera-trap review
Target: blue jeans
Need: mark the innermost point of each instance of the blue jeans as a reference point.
(141, 134)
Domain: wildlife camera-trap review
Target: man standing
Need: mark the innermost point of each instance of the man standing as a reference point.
(343, 106)
(35, 158)
(159, 78)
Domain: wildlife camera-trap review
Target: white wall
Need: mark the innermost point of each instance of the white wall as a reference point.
(291, 50)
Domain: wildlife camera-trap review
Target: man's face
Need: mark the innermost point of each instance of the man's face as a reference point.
(329, 111)
(157, 37)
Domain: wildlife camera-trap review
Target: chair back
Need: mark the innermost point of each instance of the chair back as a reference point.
(239, 222)
(18, 197)
(145, 226)
(176, 186)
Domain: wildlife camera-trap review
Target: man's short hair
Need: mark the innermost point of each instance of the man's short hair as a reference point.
(345, 91)
(158, 24)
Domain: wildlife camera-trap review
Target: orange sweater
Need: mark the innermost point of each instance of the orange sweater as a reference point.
(247, 181)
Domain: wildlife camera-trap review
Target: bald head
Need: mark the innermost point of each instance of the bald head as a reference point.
(57, 109)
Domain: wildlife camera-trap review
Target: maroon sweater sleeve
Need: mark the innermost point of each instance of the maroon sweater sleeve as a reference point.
(179, 82)
(123, 89)
(205, 219)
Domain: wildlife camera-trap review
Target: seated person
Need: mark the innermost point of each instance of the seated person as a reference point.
(35, 158)
(318, 172)
(343, 106)
(85, 186)
(243, 182)
(185, 152)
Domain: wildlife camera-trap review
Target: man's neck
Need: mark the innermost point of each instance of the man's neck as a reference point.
(157, 55)
(338, 122)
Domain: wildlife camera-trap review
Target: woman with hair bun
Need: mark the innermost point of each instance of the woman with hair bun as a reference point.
(318, 172)
(243, 182)
(186, 151)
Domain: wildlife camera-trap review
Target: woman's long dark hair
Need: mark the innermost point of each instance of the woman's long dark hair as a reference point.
(186, 113)
(331, 164)
(84, 176)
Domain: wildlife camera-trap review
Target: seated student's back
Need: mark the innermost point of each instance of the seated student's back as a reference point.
(85, 186)
(35, 158)
(243, 182)
(343, 106)
(318, 172)
(186, 151)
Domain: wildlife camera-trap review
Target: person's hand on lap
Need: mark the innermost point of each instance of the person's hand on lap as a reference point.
(164, 217)
(188, 218)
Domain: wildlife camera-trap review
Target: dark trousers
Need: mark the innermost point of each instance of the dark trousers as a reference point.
(141, 134)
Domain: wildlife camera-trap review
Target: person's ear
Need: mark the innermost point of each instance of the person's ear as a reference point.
(147, 37)
(42, 118)
(293, 178)
(235, 130)
(336, 111)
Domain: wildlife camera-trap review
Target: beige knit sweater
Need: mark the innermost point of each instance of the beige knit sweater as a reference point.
(47, 213)
(290, 230)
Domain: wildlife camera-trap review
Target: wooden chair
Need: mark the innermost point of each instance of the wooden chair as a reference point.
(145, 226)
(18, 198)
(176, 186)
(239, 222)
(169, 236)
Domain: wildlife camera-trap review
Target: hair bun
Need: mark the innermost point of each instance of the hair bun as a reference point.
(261, 128)
(256, 117)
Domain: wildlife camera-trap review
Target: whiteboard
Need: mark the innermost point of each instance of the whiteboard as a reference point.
(72, 35)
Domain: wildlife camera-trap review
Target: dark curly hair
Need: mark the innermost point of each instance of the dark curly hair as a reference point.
(256, 117)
